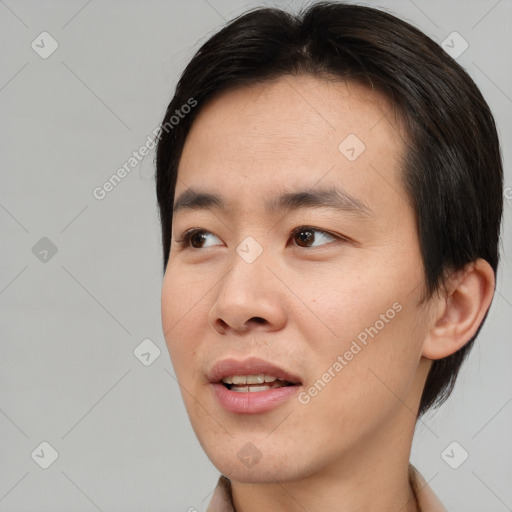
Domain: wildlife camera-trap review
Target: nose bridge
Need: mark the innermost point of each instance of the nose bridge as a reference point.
(247, 278)
(246, 293)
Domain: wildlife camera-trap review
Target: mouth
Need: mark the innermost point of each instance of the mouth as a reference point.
(252, 385)
(251, 372)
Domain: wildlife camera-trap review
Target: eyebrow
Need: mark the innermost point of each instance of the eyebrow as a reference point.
(332, 197)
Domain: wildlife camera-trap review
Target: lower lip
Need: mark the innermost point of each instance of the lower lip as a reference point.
(251, 403)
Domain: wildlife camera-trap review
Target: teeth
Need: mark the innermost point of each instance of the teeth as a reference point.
(256, 388)
(248, 379)
(253, 389)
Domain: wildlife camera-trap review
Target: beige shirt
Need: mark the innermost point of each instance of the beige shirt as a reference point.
(221, 500)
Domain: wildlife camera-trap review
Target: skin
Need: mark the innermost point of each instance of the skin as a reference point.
(301, 307)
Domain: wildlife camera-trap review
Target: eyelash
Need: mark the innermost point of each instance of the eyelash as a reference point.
(184, 242)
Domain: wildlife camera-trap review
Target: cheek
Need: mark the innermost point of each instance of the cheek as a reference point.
(338, 303)
(376, 367)
(368, 332)
(184, 316)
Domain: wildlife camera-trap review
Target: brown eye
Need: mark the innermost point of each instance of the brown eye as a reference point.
(306, 236)
(197, 239)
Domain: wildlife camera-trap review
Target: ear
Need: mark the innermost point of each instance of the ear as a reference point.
(459, 309)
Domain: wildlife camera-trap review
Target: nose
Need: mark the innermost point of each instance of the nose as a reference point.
(248, 299)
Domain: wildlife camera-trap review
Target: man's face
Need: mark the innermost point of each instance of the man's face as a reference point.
(323, 289)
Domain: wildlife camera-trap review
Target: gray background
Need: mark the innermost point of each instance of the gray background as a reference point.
(70, 323)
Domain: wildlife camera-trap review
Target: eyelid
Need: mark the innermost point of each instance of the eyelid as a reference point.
(306, 227)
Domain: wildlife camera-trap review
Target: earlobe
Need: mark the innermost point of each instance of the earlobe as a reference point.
(459, 310)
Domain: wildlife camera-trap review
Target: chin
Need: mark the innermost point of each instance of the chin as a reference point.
(261, 473)
(250, 465)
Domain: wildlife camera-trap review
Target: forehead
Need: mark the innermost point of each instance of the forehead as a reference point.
(294, 130)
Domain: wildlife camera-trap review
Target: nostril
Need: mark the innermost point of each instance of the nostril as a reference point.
(222, 326)
(222, 323)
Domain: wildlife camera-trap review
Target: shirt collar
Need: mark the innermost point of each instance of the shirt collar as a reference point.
(221, 500)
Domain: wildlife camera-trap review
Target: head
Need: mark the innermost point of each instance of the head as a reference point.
(326, 162)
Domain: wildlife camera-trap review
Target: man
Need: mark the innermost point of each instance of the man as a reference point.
(324, 276)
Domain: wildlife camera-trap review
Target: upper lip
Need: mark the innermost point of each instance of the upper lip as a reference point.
(249, 366)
